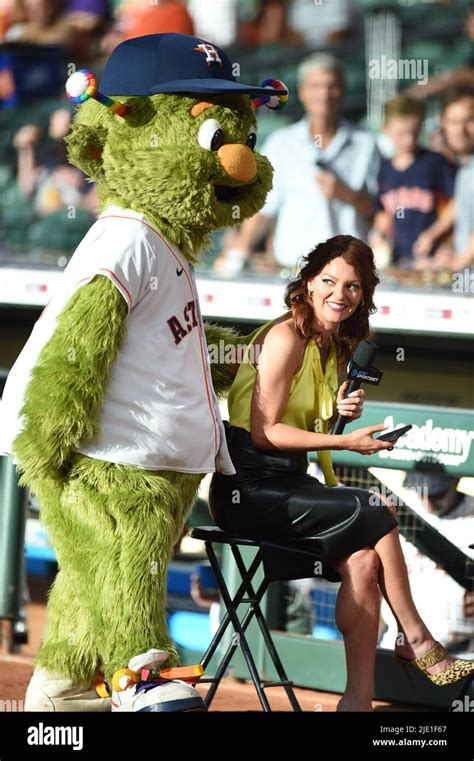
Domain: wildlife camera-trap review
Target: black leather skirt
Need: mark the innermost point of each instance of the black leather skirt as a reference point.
(271, 497)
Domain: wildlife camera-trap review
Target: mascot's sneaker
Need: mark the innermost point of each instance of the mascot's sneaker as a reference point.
(49, 692)
(142, 688)
(162, 696)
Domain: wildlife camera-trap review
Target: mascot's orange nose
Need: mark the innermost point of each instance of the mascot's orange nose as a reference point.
(238, 161)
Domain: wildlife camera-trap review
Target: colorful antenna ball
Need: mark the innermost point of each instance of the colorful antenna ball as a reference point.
(82, 85)
(274, 102)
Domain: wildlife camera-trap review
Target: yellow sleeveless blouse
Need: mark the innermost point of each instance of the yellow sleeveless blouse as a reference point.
(310, 403)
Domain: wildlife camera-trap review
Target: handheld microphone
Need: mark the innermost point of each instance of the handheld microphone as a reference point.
(359, 371)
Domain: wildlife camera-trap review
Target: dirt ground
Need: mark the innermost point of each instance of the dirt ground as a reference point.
(232, 695)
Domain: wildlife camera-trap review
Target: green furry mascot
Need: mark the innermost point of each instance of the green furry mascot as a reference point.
(110, 411)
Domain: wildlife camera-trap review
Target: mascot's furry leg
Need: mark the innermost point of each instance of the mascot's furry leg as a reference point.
(113, 527)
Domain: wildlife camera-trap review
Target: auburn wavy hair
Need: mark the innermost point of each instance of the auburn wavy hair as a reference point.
(356, 327)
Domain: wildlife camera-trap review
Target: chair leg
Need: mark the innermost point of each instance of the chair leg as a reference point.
(229, 604)
(221, 669)
(229, 654)
(236, 600)
(254, 609)
(266, 632)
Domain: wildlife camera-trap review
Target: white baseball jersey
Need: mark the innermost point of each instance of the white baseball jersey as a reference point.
(160, 410)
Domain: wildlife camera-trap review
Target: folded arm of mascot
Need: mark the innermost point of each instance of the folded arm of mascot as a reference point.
(119, 416)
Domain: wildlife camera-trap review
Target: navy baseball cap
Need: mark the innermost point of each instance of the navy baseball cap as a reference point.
(172, 63)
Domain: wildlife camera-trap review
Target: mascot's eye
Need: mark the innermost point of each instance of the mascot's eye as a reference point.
(210, 135)
(252, 138)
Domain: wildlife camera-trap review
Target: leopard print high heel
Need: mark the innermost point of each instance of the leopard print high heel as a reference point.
(460, 669)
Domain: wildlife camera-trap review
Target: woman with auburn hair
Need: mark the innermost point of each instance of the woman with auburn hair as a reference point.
(280, 408)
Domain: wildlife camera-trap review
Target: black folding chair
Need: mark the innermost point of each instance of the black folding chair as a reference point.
(278, 562)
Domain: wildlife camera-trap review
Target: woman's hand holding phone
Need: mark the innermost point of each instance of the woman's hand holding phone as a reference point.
(362, 441)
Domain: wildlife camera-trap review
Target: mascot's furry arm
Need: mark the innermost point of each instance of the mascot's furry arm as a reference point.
(223, 373)
(64, 396)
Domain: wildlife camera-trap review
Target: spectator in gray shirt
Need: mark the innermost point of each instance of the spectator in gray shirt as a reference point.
(325, 174)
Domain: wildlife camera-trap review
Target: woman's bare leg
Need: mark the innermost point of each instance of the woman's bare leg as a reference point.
(414, 637)
(357, 617)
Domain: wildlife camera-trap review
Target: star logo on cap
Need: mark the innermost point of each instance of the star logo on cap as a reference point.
(212, 55)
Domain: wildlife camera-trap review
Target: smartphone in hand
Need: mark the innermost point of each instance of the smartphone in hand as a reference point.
(395, 434)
